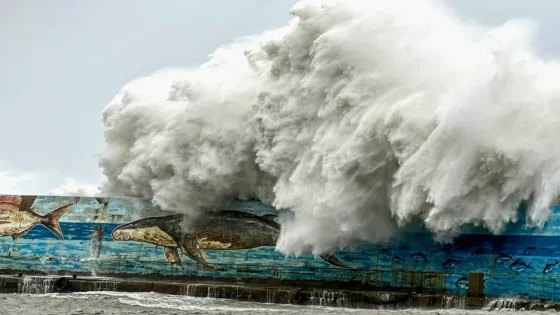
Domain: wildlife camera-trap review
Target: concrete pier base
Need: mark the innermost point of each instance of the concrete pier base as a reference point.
(476, 285)
(262, 293)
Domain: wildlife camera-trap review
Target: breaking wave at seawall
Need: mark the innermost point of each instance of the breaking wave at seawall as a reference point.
(358, 116)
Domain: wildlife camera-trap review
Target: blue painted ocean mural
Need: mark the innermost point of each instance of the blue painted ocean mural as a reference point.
(131, 237)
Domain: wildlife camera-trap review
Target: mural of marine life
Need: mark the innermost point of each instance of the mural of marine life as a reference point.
(96, 241)
(18, 217)
(419, 257)
(462, 283)
(549, 266)
(223, 230)
(519, 265)
(398, 260)
(511, 262)
(384, 251)
(450, 262)
(529, 250)
(478, 252)
(502, 259)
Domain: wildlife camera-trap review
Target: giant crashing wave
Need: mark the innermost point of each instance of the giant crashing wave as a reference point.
(360, 117)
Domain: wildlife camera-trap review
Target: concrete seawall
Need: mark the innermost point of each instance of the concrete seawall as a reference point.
(282, 294)
(130, 239)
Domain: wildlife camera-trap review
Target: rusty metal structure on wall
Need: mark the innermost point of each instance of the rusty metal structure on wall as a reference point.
(126, 237)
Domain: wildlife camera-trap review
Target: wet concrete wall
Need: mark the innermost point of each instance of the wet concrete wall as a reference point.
(130, 238)
(268, 294)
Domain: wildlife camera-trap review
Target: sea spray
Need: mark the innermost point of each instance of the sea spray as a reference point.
(358, 116)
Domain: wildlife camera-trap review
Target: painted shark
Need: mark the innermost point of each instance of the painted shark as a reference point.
(223, 230)
(18, 217)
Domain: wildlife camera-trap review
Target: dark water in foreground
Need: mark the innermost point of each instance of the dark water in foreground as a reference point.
(154, 303)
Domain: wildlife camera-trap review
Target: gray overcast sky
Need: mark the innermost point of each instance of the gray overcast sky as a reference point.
(62, 61)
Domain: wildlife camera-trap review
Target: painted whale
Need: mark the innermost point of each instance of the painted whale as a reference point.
(223, 230)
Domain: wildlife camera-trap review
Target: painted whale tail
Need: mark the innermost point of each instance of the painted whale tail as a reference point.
(331, 259)
(50, 220)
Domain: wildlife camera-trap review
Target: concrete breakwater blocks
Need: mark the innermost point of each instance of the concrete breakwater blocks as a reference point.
(265, 294)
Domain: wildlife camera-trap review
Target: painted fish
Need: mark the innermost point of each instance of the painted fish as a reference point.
(548, 268)
(18, 217)
(223, 230)
(450, 262)
(519, 265)
(398, 260)
(462, 283)
(502, 259)
(419, 257)
(529, 250)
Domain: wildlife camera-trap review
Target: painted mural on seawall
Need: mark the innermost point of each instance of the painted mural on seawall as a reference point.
(125, 236)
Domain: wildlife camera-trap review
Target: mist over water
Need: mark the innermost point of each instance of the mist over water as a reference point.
(358, 116)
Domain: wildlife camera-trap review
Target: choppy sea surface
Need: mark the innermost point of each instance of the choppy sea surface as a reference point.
(155, 303)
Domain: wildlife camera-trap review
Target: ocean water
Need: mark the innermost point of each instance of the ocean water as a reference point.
(153, 303)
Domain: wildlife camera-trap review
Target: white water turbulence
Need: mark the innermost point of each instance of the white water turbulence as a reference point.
(358, 116)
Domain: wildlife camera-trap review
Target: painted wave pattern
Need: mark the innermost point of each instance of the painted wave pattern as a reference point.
(521, 263)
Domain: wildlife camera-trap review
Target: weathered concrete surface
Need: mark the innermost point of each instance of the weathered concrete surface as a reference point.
(242, 292)
(408, 281)
(476, 285)
(261, 293)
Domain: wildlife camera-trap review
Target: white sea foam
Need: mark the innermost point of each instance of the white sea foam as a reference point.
(359, 116)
